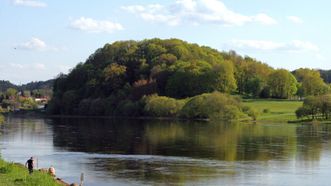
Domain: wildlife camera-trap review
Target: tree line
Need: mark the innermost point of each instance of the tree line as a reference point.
(116, 78)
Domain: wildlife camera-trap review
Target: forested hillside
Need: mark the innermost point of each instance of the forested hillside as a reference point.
(4, 85)
(38, 85)
(116, 79)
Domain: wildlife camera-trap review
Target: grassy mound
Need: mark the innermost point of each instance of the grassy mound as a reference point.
(12, 174)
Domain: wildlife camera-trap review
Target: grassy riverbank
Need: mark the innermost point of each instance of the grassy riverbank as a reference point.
(12, 174)
(274, 110)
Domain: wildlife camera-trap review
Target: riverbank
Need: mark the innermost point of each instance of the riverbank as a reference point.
(271, 110)
(12, 174)
(39, 114)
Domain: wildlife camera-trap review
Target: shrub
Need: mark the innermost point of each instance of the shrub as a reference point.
(302, 112)
(251, 112)
(213, 106)
(97, 107)
(162, 106)
(266, 110)
(128, 108)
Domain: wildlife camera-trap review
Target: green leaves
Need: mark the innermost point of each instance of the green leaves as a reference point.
(282, 84)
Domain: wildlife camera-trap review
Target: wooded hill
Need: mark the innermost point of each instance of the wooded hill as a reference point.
(116, 79)
(35, 85)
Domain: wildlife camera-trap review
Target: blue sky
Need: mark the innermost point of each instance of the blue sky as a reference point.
(41, 38)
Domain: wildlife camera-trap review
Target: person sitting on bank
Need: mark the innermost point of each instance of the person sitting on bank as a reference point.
(51, 171)
(30, 165)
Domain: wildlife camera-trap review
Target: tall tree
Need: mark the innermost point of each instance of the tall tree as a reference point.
(282, 84)
(311, 82)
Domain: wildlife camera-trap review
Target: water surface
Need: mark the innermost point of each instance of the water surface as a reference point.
(137, 152)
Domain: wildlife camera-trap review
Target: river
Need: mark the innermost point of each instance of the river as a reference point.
(140, 152)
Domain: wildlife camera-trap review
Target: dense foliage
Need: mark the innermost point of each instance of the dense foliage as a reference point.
(310, 82)
(116, 79)
(212, 105)
(315, 107)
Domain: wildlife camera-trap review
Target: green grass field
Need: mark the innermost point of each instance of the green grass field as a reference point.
(16, 175)
(274, 110)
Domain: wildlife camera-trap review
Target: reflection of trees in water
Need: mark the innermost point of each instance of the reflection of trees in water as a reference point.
(26, 129)
(199, 140)
(97, 135)
(311, 140)
(222, 141)
(226, 141)
(165, 171)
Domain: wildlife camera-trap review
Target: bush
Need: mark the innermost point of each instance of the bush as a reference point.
(318, 107)
(129, 108)
(213, 106)
(97, 107)
(266, 111)
(302, 112)
(251, 112)
(161, 106)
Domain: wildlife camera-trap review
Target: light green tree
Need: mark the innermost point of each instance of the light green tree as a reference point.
(282, 84)
(11, 92)
(311, 82)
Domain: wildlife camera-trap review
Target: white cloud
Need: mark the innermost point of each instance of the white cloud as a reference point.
(154, 13)
(303, 45)
(295, 19)
(95, 26)
(292, 46)
(38, 45)
(264, 19)
(196, 12)
(30, 3)
(39, 66)
(16, 65)
(33, 44)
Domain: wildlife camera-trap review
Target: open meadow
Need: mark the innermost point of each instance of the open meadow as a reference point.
(274, 109)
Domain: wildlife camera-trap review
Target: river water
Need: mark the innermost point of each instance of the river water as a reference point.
(138, 152)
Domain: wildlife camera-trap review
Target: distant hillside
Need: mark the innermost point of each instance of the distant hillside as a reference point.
(4, 85)
(38, 85)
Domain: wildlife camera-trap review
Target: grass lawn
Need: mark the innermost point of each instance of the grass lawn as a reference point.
(276, 110)
(15, 175)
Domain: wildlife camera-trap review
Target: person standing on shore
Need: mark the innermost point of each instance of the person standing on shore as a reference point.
(30, 165)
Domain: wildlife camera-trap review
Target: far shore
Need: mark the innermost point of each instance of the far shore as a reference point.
(270, 110)
(38, 113)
